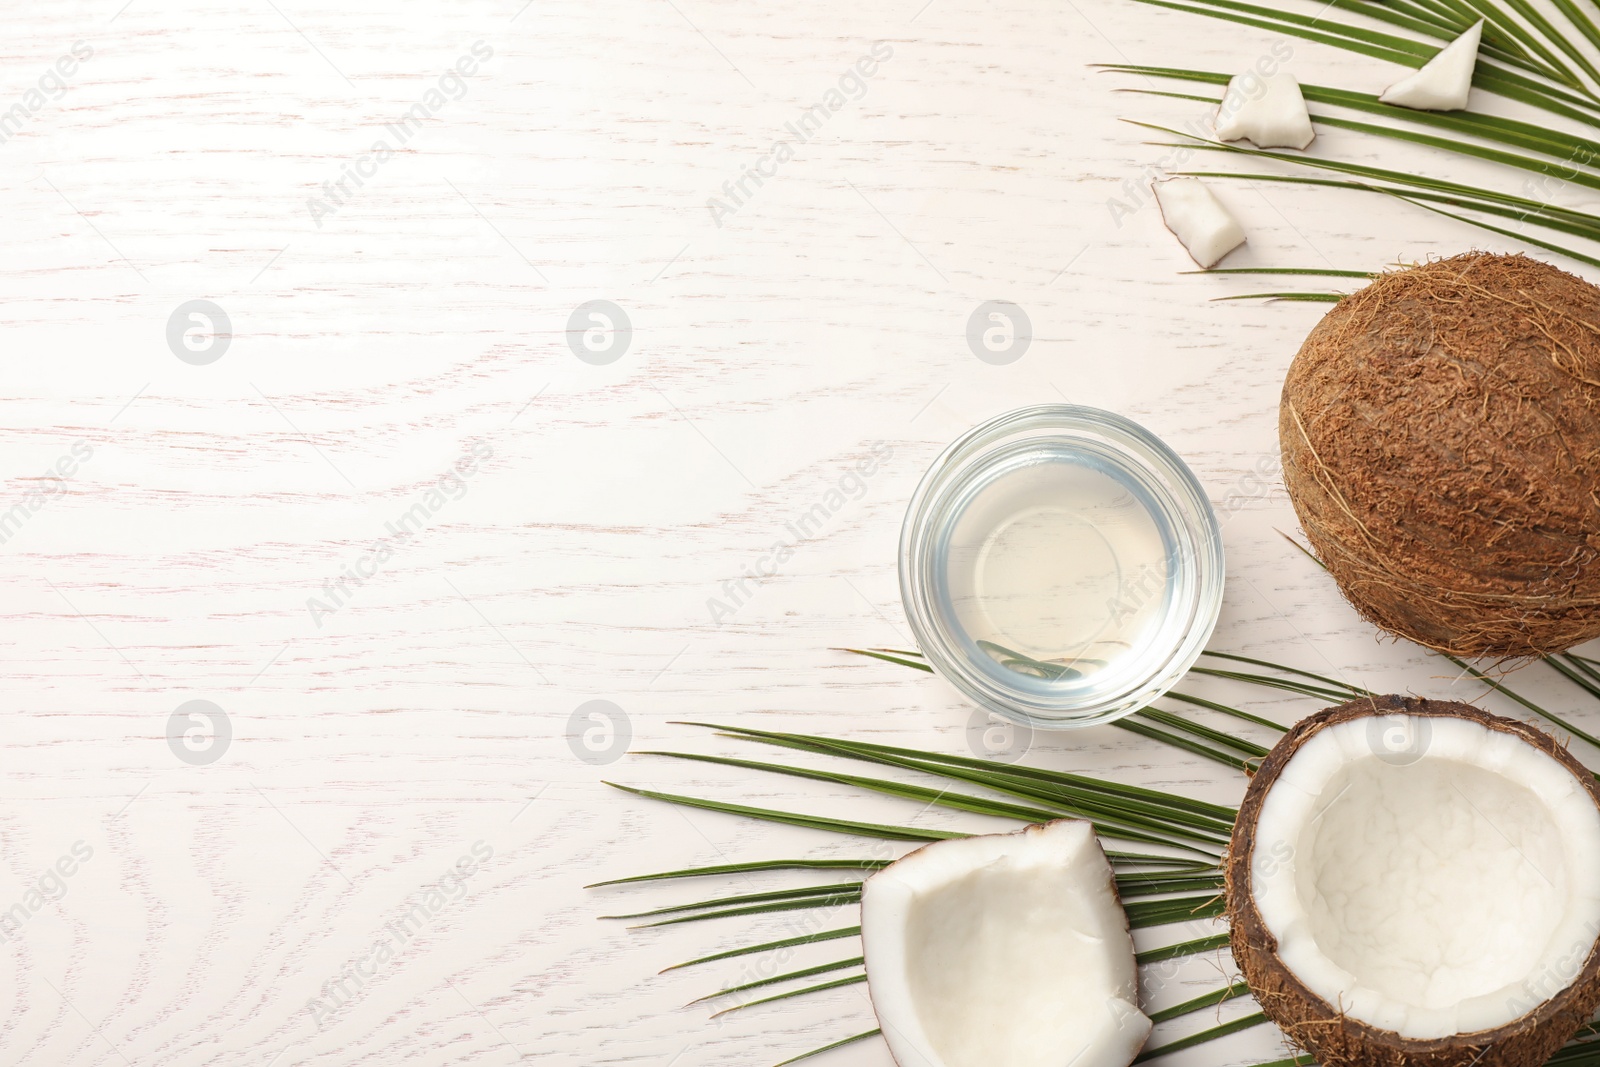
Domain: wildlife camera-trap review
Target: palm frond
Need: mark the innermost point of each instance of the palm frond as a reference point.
(838, 889)
(1107, 822)
(1504, 690)
(794, 904)
(1200, 730)
(1087, 785)
(829, 1048)
(804, 972)
(748, 868)
(1560, 146)
(769, 946)
(1546, 86)
(1143, 913)
(1202, 1037)
(1292, 297)
(835, 984)
(1236, 988)
(1509, 205)
(813, 822)
(1525, 238)
(1163, 890)
(1209, 943)
(1575, 674)
(1323, 272)
(944, 798)
(1179, 741)
(1257, 679)
(1327, 689)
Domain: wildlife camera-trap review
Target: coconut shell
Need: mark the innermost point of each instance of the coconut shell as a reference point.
(1441, 444)
(1318, 1027)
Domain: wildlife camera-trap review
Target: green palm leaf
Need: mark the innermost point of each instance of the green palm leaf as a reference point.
(842, 826)
(829, 1048)
(835, 984)
(1558, 145)
(769, 946)
(1202, 1037)
(1501, 80)
(747, 868)
(1162, 892)
(1236, 988)
(804, 972)
(1327, 272)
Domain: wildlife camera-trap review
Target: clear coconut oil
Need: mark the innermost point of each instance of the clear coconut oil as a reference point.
(1061, 566)
(1057, 569)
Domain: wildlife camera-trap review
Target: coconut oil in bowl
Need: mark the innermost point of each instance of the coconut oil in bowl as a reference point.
(1061, 566)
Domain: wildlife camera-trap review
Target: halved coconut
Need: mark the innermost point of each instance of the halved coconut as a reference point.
(1418, 882)
(1005, 950)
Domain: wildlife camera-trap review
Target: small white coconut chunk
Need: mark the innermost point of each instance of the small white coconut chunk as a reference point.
(1004, 950)
(1198, 219)
(1445, 81)
(1269, 112)
(1431, 876)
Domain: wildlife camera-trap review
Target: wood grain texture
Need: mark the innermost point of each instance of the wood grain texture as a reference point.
(376, 746)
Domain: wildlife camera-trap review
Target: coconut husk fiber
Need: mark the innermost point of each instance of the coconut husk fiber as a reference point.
(1441, 444)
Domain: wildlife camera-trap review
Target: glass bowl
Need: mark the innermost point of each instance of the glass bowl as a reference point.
(1061, 566)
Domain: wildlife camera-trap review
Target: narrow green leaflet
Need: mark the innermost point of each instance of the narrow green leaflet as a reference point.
(1143, 913)
(1245, 716)
(1209, 943)
(836, 890)
(870, 751)
(1331, 690)
(1575, 673)
(1205, 733)
(1330, 683)
(940, 797)
(804, 972)
(1179, 741)
(769, 946)
(796, 904)
(1202, 1037)
(835, 984)
(1321, 272)
(843, 826)
(1503, 689)
(1304, 298)
(829, 1048)
(1237, 988)
(1109, 820)
(747, 868)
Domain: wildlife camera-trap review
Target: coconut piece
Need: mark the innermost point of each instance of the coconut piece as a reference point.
(1003, 950)
(1415, 882)
(1197, 219)
(1269, 112)
(1441, 433)
(1444, 82)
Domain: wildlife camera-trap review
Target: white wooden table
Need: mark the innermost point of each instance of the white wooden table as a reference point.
(408, 731)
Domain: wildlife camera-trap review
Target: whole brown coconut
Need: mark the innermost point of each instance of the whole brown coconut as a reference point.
(1441, 444)
(1336, 1039)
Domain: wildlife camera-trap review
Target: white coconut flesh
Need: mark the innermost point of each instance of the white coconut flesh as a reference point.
(1430, 895)
(1444, 82)
(1006, 950)
(1269, 112)
(1198, 219)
